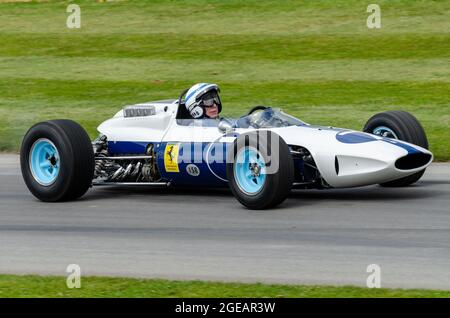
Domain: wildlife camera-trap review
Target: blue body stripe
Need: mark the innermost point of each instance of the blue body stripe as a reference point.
(206, 178)
(358, 137)
(216, 178)
(127, 147)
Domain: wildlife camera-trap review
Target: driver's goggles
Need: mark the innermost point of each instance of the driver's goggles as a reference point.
(209, 102)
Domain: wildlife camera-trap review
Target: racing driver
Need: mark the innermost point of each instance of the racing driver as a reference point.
(203, 101)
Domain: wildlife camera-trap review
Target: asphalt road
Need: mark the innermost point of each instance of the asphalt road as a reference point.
(315, 237)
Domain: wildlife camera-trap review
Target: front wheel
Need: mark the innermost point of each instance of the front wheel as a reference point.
(403, 126)
(260, 170)
(57, 160)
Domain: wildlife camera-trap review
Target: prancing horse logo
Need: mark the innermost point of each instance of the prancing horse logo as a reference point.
(170, 152)
(171, 157)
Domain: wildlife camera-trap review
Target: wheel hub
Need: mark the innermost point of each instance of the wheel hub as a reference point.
(44, 162)
(52, 160)
(255, 169)
(249, 171)
(385, 132)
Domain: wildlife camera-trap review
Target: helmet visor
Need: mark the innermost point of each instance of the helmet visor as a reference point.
(209, 99)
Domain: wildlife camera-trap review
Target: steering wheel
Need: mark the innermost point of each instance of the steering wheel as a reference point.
(256, 108)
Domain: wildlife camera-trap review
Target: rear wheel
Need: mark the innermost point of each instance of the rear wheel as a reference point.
(57, 160)
(403, 126)
(260, 176)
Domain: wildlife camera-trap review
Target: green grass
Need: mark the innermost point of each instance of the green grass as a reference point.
(55, 287)
(315, 59)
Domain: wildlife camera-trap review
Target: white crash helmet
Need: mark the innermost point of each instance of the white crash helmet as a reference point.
(200, 93)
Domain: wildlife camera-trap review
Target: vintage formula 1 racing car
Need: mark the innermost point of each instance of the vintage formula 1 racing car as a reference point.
(260, 156)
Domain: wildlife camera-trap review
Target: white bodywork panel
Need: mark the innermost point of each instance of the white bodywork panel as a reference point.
(359, 163)
(148, 128)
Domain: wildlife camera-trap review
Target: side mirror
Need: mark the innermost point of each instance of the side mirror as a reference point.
(225, 125)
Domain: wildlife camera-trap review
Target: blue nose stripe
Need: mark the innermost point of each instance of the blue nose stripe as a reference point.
(358, 138)
(354, 137)
(408, 148)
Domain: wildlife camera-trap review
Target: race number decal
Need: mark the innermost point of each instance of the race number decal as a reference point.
(192, 170)
(171, 158)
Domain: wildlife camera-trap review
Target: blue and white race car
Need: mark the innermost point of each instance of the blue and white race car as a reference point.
(260, 156)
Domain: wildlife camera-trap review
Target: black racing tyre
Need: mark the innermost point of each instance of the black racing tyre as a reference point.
(57, 160)
(251, 170)
(403, 126)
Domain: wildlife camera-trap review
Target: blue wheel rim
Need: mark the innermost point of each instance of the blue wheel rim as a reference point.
(44, 162)
(249, 170)
(385, 132)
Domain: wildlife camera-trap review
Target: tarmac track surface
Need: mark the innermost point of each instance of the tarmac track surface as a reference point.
(315, 237)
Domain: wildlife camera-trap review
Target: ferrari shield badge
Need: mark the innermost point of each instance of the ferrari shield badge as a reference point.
(171, 158)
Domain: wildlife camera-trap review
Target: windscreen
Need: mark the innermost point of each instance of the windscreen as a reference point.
(271, 118)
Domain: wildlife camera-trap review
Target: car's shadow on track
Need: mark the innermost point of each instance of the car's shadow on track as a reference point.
(373, 193)
(363, 194)
(438, 182)
(298, 197)
(121, 191)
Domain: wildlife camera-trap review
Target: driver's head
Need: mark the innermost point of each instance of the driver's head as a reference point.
(203, 101)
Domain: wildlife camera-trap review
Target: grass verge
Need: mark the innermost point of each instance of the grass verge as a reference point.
(315, 59)
(30, 286)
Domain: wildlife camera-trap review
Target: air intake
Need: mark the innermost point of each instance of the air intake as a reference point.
(412, 161)
(139, 110)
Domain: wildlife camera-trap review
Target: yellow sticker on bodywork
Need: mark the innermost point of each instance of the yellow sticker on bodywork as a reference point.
(171, 158)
